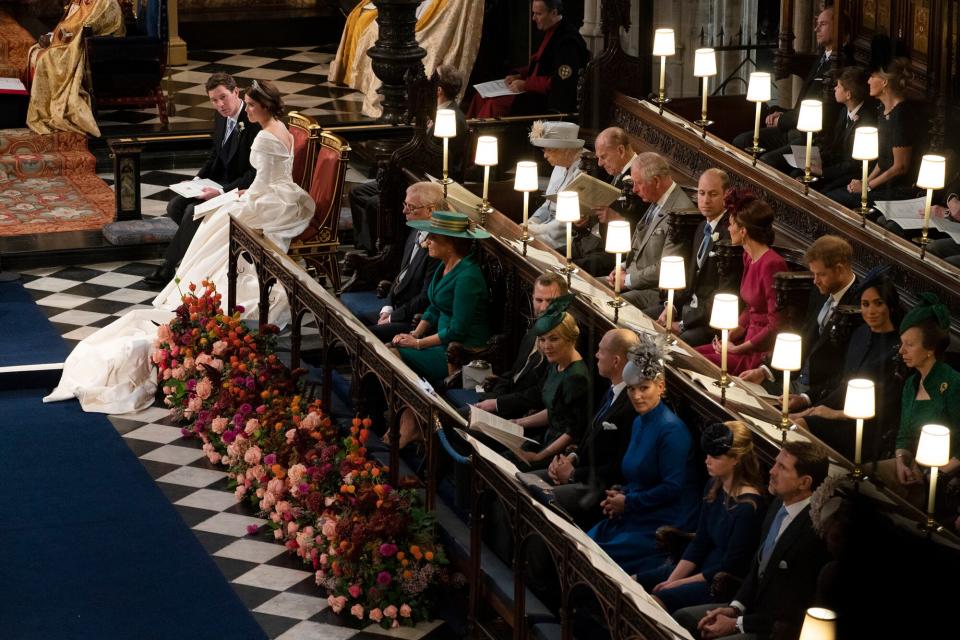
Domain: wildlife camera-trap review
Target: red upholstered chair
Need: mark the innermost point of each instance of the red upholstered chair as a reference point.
(317, 246)
(305, 132)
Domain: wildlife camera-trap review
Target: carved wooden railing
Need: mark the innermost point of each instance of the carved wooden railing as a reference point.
(801, 217)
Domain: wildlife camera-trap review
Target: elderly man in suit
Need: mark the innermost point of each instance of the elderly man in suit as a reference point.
(614, 155)
(641, 276)
(829, 258)
(228, 165)
(505, 394)
(581, 475)
(783, 578)
(692, 320)
(391, 309)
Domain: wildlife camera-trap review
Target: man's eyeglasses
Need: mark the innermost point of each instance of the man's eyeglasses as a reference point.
(409, 206)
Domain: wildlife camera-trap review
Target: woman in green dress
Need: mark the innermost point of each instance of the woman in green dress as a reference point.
(458, 297)
(930, 396)
(565, 394)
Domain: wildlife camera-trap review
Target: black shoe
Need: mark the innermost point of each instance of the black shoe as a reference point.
(160, 277)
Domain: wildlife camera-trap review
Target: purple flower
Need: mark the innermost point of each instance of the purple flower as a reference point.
(303, 488)
(270, 459)
(384, 578)
(250, 384)
(245, 408)
(186, 433)
(238, 420)
(252, 528)
(388, 550)
(191, 385)
(229, 436)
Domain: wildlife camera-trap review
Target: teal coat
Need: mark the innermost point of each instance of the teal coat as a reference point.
(457, 312)
(943, 407)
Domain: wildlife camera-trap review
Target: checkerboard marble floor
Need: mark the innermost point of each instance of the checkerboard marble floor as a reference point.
(300, 74)
(276, 587)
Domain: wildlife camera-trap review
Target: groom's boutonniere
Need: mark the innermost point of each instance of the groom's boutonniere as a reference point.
(240, 126)
(715, 236)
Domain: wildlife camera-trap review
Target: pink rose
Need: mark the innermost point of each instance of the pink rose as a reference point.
(275, 486)
(329, 529)
(252, 425)
(277, 534)
(275, 517)
(268, 501)
(218, 425)
(376, 615)
(390, 612)
(290, 435)
(204, 388)
(310, 422)
(324, 558)
(282, 507)
(239, 492)
(355, 591)
(336, 603)
(357, 611)
(405, 610)
(296, 473)
(292, 528)
(219, 347)
(163, 333)
(160, 355)
(253, 455)
(195, 404)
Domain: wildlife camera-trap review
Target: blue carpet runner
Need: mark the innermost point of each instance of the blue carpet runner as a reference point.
(89, 545)
(27, 338)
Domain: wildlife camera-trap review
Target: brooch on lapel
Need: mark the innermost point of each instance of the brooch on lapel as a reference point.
(783, 565)
(715, 236)
(565, 71)
(943, 388)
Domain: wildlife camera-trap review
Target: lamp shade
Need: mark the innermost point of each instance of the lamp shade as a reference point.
(758, 90)
(704, 63)
(526, 177)
(672, 273)
(932, 170)
(819, 624)
(934, 447)
(866, 143)
(568, 206)
(445, 124)
(786, 352)
(618, 236)
(860, 401)
(663, 44)
(811, 116)
(486, 151)
(726, 311)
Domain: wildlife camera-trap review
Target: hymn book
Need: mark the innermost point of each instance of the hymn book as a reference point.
(194, 188)
(593, 193)
(507, 433)
(906, 213)
(202, 209)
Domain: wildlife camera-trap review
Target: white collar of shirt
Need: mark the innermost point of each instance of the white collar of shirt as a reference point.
(446, 105)
(827, 54)
(852, 114)
(626, 168)
(839, 294)
(236, 116)
(793, 510)
(617, 388)
(666, 194)
(715, 222)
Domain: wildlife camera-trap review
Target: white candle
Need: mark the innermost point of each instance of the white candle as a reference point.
(786, 392)
(669, 309)
(616, 277)
(756, 128)
(526, 208)
(703, 109)
(934, 471)
(569, 241)
(445, 165)
(663, 72)
(486, 182)
(806, 167)
(724, 338)
(856, 453)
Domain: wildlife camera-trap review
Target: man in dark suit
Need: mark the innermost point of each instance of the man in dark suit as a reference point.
(783, 578)
(506, 394)
(781, 124)
(365, 198)
(614, 155)
(549, 81)
(580, 476)
(390, 310)
(228, 165)
(829, 258)
(857, 110)
(691, 319)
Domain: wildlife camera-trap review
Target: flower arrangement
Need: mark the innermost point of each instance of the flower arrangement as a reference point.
(371, 545)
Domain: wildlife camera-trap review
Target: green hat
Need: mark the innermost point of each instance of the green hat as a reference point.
(929, 307)
(553, 315)
(449, 223)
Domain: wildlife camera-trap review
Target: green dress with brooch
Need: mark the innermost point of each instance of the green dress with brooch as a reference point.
(943, 386)
(457, 313)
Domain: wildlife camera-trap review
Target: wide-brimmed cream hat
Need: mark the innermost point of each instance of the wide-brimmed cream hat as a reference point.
(555, 135)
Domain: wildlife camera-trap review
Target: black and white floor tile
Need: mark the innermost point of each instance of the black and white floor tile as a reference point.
(276, 587)
(300, 74)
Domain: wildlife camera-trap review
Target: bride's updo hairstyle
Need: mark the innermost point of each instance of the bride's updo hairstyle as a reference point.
(267, 96)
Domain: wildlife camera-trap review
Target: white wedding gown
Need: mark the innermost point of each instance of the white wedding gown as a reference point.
(110, 371)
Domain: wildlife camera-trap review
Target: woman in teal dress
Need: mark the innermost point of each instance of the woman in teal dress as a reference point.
(930, 396)
(662, 486)
(565, 393)
(458, 297)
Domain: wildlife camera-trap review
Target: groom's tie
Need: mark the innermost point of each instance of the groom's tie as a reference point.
(231, 123)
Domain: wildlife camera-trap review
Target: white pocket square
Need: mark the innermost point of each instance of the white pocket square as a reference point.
(783, 565)
(609, 426)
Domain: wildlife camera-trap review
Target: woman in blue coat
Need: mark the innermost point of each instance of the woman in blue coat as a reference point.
(662, 485)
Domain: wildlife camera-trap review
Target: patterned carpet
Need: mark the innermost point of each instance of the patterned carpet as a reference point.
(49, 183)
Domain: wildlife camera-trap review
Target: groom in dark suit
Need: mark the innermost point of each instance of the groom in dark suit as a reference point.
(783, 578)
(228, 165)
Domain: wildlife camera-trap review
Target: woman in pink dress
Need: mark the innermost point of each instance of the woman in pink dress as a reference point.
(751, 226)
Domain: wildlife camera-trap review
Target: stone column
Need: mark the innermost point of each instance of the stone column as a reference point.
(176, 47)
(396, 52)
(591, 27)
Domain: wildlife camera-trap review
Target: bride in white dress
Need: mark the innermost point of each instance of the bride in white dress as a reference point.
(110, 371)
